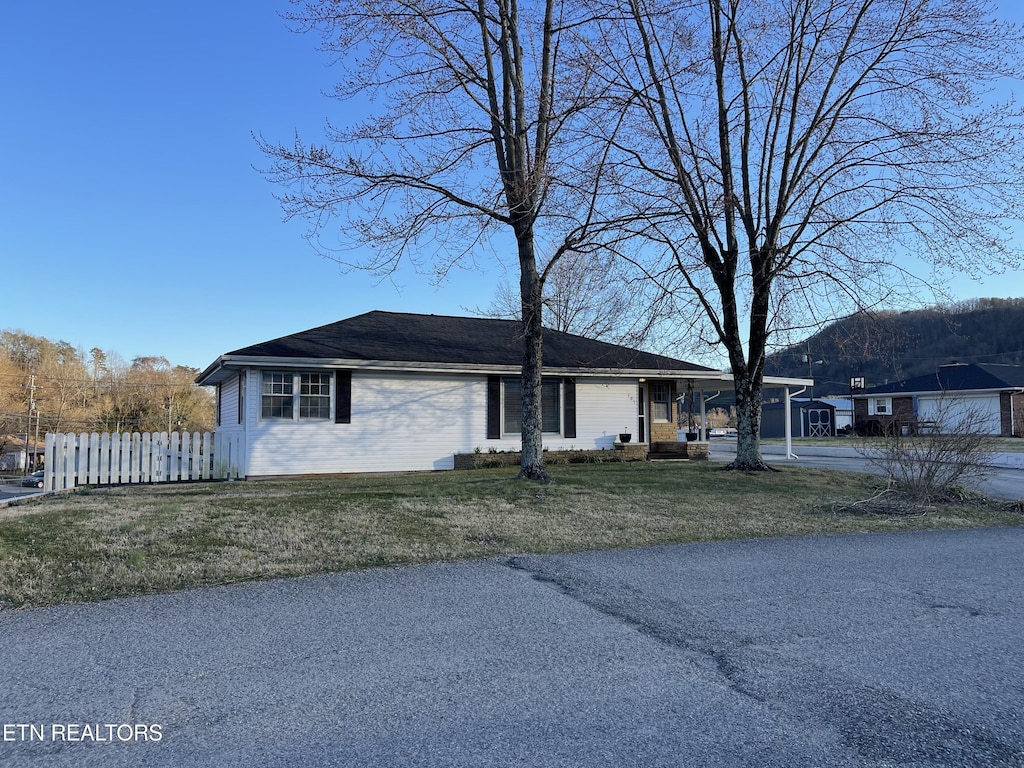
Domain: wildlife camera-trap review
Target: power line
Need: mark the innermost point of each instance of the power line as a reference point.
(92, 384)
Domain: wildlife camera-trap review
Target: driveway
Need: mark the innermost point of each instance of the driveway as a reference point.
(873, 650)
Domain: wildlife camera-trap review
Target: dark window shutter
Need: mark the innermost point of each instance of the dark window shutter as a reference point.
(343, 397)
(241, 398)
(493, 407)
(569, 428)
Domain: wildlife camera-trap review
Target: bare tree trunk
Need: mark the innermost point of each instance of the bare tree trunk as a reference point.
(748, 372)
(532, 464)
(748, 425)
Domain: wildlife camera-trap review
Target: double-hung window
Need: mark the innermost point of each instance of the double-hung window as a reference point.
(661, 401)
(278, 395)
(880, 406)
(551, 406)
(314, 395)
(296, 395)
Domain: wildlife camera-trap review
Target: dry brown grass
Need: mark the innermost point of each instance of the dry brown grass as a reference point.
(101, 543)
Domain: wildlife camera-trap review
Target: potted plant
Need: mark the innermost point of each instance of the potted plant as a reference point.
(625, 437)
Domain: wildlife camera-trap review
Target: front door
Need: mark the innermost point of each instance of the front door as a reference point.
(642, 415)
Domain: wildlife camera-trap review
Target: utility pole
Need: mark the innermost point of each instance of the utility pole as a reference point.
(28, 420)
(810, 373)
(38, 415)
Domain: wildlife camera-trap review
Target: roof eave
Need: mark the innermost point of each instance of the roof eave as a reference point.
(212, 374)
(784, 381)
(950, 392)
(226, 365)
(222, 367)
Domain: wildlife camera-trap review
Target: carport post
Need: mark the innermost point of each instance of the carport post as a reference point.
(788, 418)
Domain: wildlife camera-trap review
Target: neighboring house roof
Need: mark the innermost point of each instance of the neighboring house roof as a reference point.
(959, 377)
(839, 403)
(14, 444)
(473, 342)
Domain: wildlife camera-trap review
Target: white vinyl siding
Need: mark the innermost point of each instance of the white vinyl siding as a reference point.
(227, 408)
(400, 422)
(412, 421)
(233, 404)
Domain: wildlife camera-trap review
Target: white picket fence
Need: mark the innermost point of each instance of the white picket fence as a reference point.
(108, 459)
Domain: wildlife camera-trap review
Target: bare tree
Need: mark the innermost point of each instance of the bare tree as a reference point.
(471, 138)
(594, 294)
(12, 403)
(786, 154)
(151, 395)
(148, 395)
(59, 376)
(64, 387)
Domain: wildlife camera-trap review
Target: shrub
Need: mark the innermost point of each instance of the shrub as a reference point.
(932, 465)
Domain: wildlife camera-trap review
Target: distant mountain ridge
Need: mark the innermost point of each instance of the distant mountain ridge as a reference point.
(889, 346)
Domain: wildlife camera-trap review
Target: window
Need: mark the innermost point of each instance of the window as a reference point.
(661, 404)
(879, 406)
(314, 395)
(286, 394)
(277, 395)
(551, 406)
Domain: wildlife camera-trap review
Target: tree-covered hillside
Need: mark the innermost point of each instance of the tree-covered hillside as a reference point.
(889, 346)
(50, 386)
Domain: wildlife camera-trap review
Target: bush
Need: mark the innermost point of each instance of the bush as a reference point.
(934, 465)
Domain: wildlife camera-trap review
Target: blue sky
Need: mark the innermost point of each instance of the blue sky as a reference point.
(131, 216)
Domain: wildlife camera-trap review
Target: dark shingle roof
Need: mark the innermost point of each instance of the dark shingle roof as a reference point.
(401, 337)
(958, 378)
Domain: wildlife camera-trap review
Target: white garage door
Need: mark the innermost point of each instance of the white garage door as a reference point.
(952, 412)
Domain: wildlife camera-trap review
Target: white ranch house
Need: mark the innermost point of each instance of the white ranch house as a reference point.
(398, 392)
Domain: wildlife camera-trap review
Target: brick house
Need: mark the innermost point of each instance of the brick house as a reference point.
(994, 394)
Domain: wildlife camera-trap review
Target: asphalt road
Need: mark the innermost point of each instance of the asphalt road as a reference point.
(873, 650)
(12, 491)
(1000, 483)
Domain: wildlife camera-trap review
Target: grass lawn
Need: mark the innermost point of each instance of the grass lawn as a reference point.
(106, 542)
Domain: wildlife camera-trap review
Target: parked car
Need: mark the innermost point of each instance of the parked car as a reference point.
(33, 480)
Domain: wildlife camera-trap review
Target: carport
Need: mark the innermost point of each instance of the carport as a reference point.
(713, 384)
